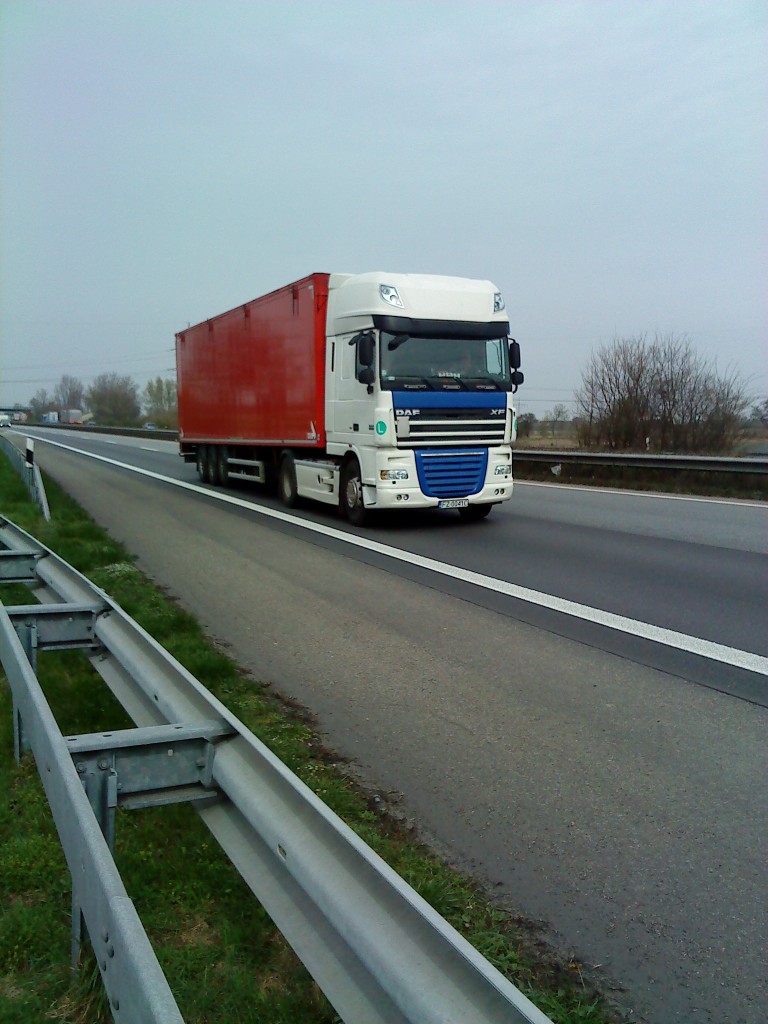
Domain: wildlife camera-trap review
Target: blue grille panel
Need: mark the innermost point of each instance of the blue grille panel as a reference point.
(451, 474)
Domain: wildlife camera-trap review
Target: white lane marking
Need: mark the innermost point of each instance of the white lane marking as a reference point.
(146, 448)
(634, 627)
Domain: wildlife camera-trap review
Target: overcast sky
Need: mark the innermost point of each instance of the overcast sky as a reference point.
(603, 162)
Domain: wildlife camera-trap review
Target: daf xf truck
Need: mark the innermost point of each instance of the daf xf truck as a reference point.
(368, 392)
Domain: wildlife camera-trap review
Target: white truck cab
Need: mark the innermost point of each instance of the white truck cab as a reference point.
(420, 378)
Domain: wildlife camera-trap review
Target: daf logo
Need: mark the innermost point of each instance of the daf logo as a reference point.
(407, 412)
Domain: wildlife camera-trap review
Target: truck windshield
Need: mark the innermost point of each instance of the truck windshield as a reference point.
(410, 362)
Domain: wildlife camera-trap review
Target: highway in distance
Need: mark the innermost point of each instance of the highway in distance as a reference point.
(569, 698)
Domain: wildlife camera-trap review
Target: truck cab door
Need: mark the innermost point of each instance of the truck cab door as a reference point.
(350, 419)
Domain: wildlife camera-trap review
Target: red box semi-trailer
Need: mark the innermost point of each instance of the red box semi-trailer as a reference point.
(366, 391)
(256, 374)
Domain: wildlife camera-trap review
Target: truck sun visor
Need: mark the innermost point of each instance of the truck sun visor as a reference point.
(440, 328)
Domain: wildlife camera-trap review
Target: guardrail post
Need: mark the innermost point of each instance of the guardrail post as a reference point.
(100, 785)
(20, 742)
(78, 928)
(28, 636)
(27, 633)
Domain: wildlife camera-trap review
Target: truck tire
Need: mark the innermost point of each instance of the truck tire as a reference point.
(286, 482)
(351, 494)
(222, 466)
(204, 461)
(473, 513)
(212, 459)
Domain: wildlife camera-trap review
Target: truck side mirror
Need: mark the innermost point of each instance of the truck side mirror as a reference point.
(365, 349)
(366, 352)
(514, 355)
(517, 379)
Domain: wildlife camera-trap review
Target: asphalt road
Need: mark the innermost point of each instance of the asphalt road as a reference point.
(602, 783)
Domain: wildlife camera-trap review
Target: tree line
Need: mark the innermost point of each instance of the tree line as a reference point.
(660, 395)
(654, 395)
(112, 400)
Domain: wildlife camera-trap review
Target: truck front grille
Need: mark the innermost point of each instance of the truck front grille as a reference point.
(451, 474)
(433, 428)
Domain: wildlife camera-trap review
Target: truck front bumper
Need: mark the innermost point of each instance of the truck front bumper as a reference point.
(392, 488)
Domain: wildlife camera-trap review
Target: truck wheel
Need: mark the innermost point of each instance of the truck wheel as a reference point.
(222, 467)
(473, 513)
(351, 494)
(286, 482)
(204, 461)
(212, 458)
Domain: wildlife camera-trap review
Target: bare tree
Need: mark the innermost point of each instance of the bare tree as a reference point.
(661, 394)
(525, 424)
(759, 413)
(114, 400)
(558, 415)
(69, 393)
(40, 402)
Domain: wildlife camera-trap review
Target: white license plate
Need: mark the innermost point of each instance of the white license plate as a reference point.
(453, 503)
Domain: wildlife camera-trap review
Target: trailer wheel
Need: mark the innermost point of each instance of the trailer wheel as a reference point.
(211, 460)
(473, 513)
(200, 462)
(222, 466)
(286, 482)
(351, 494)
(204, 461)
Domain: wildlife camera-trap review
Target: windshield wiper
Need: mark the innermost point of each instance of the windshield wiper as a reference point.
(453, 377)
(421, 380)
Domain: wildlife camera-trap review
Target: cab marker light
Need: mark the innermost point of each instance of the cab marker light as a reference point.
(389, 293)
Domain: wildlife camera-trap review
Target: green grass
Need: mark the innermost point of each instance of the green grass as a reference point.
(224, 960)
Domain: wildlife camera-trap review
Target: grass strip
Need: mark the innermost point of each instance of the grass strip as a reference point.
(225, 961)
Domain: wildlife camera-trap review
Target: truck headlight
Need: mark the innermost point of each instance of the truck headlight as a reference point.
(393, 474)
(503, 470)
(389, 293)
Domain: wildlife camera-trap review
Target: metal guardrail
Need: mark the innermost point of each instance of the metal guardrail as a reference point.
(378, 951)
(29, 472)
(82, 428)
(675, 463)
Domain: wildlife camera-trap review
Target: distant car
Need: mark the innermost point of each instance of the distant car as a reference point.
(150, 426)
(5, 421)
